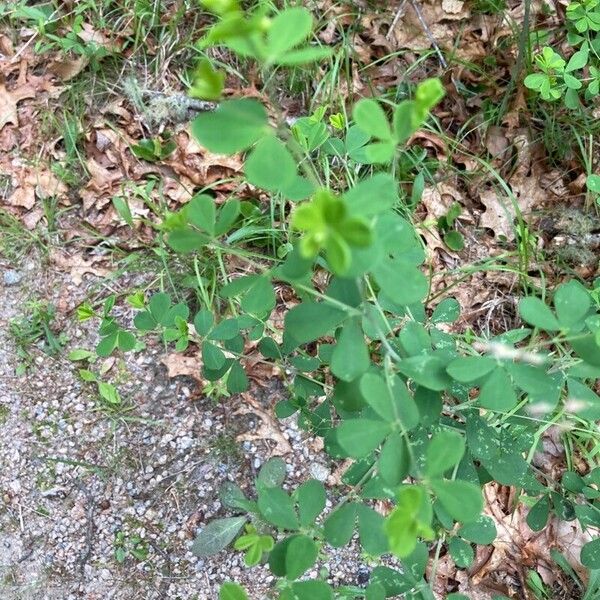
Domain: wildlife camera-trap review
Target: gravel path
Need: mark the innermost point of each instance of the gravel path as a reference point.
(79, 481)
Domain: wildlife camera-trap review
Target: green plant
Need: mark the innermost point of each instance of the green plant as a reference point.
(129, 545)
(35, 327)
(566, 80)
(426, 417)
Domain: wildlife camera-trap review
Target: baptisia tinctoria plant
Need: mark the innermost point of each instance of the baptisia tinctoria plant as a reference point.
(427, 417)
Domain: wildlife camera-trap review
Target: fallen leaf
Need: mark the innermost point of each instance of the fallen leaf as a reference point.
(67, 69)
(9, 101)
(77, 266)
(269, 428)
(188, 366)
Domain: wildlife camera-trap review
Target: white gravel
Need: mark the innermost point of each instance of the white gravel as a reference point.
(73, 474)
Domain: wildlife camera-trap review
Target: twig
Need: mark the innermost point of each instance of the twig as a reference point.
(399, 14)
(428, 33)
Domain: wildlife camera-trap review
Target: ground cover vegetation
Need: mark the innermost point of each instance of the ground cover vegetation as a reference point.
(333, 243)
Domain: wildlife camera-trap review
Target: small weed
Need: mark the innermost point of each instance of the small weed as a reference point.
(226, 448)
(36, 328)
(129, 545)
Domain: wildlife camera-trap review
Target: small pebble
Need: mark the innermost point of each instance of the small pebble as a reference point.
(12, 277)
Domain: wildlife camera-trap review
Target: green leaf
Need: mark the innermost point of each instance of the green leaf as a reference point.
(375, 591)
(408, 521)
(277, 508)
(371, 531)
(225, 330)
(537, 517)
(482, 531)
(370, 117)
(125, 341)
(288, 29)
(461, 499)
(394, 582)
(534, 81)
(588, 349)
(593, 183)
(260, 299)
(394, 460)
(454, 240)
(359, 437)
(393, 403)
(350, 357)
(586, 403)
(109, 393)
(578, 60)
(339, 525)
(338, 253)
(461, 552)
(232, 591)
(402, 282)
(107, 344)
(203, 322)
(159, 305)
(536, 313)
(427, 371)
(447, 311)
(312, 590)
(201, 212)
(237, 380)
(231, 496)
(572, 82)
(123, 210)
(311, 501)
(497, 392)
(270, 165)
(590, 554)
(372, 196)
(403, 121)
(470, 368)
(379, 152)
(300, 556)
(216, 535)
(572, 303)
(187, 240)
(228, 213)
(233, 127)
(272, 473)
(212, 356)
(303, 56)
(207, 83)
(311, 320)
(443, 452)
(540, 385)
(80, 354)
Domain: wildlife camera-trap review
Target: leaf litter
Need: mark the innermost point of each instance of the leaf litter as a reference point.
(112, 169)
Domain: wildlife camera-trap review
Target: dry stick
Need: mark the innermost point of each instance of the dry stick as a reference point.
(428, 33)
(399, 14)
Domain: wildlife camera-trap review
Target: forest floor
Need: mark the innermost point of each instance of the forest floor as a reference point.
(103, 500)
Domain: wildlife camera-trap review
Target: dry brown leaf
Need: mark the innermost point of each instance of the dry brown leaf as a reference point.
(89, 34)
(30, 184)
(77, 266)
(6, 46)
(410, 33)
(527, 191)
(198, 165)
(68, 68)
(9, 101)
(496, 141)
(189, 366)
(269, 428)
